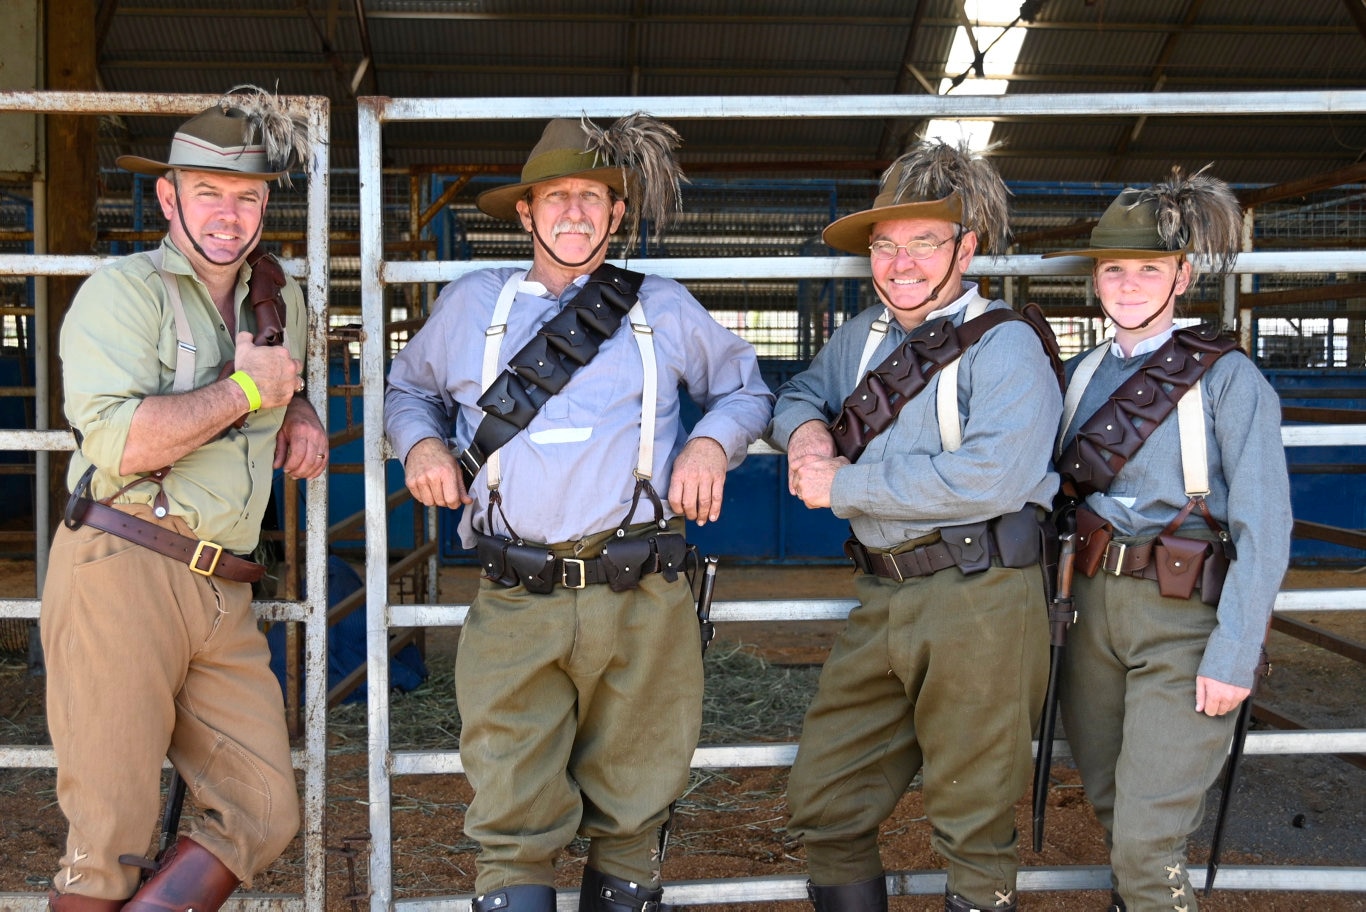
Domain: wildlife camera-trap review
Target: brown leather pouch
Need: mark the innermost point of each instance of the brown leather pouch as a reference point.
(1212, 576)
(534, 567)
(1093, 536)
(625, 561)
(968, 546)
(1178, 562)
(492, 553)
(672, 553)
(1019, 537)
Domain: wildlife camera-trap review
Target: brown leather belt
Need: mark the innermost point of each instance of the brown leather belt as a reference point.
(578, 573)
(1119, 559)
(923, 560)
(203, 557)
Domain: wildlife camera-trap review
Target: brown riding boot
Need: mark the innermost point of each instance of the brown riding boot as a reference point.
(188, 879)
(75, 902)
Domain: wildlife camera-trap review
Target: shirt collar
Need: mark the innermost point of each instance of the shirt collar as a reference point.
(1146, 346)
(532, 287)
(954, 307)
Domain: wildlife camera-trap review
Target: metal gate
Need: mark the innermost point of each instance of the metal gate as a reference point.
(312, 611)
(377, 274)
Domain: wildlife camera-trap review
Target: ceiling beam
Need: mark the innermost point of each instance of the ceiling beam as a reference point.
(1158, 76)
(104, 15)
(327, 48)
(1350, 175)
(407, 65)
(1356, 9)
(1109, 26)
(896, 132)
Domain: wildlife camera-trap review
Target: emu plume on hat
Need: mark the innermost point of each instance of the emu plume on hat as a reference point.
(635, 156)
(247, 133)
(933, 180)
(1196, 214)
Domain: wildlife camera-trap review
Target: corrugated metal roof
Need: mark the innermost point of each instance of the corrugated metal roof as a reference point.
(541, 48)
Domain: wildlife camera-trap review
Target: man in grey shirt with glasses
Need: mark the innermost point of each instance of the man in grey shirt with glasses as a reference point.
(941, 668)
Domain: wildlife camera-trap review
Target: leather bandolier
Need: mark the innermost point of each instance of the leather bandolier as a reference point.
(565, 343)
(1110, 438)
(877, 399)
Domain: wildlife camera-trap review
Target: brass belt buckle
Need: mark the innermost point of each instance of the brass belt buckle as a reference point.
(1118, 568)
(199, 550)
(565, 564)
(895, 566)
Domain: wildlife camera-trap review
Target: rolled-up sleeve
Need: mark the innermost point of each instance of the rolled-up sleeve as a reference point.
(109, 346)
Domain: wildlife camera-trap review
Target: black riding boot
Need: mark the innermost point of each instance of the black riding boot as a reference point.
(955, 903)
(1116, 903)
(516, 898)
(866, 896)
(604, 893)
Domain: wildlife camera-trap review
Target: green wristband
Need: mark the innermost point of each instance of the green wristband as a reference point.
(243, 379)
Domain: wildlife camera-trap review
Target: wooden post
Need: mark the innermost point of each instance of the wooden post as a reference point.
(72, 179)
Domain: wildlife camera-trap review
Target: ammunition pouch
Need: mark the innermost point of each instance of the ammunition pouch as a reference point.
(1178, 565)
(624, 562)
(967, 545)
(510, 564)
(621, 565)
(1013, 540)
(1093, 539)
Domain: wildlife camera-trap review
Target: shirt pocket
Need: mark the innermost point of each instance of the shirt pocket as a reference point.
(597, 386)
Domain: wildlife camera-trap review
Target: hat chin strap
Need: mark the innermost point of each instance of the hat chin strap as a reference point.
(953, 257)
(536, 233)
(180, 214)
(1171, 296)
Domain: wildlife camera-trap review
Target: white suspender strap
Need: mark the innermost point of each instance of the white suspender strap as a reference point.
(649, 404)
(1080, 378)
(876, 333)
(1190, 418)
(493, 344)
(184, 339)
(946, 396)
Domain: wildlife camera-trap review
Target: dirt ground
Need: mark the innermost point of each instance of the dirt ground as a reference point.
(1289, 810)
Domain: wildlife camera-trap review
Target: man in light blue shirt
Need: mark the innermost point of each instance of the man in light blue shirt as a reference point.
(579, 674)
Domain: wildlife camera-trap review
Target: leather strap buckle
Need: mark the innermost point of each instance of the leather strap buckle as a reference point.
(1113, 560)
(579, 566)
(469, 462)
(199, 551)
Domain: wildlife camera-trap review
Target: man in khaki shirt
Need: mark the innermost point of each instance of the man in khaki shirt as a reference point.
(151, 646)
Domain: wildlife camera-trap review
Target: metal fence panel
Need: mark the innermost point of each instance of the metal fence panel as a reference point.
(377, 273)
(312, 611)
